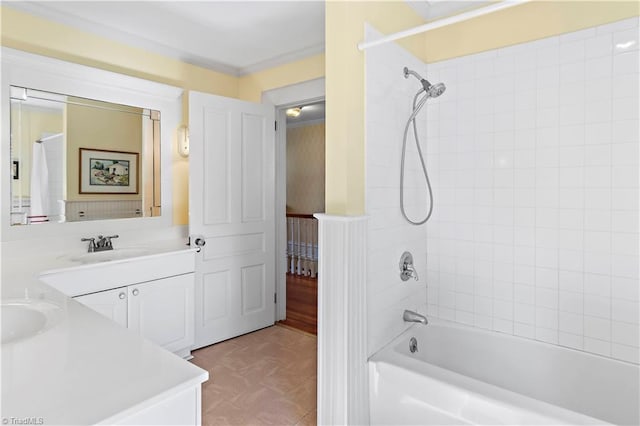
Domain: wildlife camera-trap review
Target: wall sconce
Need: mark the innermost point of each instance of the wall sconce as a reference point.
(183, 141)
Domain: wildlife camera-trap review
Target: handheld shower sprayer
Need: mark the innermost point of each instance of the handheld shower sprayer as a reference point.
(431, 91)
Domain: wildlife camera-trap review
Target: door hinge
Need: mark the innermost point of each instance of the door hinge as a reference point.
(275, 297)
(275, 126)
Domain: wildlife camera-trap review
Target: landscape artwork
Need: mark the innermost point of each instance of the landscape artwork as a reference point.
(111, 172)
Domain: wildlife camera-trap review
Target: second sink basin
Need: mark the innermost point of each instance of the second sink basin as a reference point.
(22, 319)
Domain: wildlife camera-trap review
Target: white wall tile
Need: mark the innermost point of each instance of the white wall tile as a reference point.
(626, 40)
(625, 63)
(625, 333)
(600, 45)
(536, 176)
(597, 328)
(625, 353)
(597, 346)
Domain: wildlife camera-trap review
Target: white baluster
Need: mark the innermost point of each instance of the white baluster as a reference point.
(299, 266)
(315, 247)
(290, 252)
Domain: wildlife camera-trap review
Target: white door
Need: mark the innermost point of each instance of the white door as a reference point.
(231, 206)
(162, 311)
(111, 303)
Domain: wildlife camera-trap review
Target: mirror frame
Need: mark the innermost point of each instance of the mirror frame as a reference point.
(39, 72)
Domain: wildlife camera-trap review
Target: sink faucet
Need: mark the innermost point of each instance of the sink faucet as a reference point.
(410, 316)
(102, 243)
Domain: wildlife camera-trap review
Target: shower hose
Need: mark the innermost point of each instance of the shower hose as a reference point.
(417, 106)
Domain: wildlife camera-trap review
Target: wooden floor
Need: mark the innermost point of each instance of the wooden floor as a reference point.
(302, 303)
(267, 377)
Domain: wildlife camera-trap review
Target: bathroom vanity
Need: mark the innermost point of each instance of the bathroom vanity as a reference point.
(111, 350)
(87, 369)
(150, 292)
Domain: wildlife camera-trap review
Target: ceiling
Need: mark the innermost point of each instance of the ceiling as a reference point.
(235, 37)
(434, 9)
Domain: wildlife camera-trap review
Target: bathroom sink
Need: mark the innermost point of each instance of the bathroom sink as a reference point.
(22, 319)
(109, 255)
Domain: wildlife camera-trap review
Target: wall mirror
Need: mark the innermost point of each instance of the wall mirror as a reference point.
(77, 159)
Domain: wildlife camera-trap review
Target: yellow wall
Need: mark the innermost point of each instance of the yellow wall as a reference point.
(305, 169)
(529, 21)
(345, 149)
(36, 35)
(32, 34)
(343, 68)
(345, 65)
(101, 129)
(251, 86)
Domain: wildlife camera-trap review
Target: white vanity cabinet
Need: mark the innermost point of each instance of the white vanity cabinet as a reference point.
(160, 310)
(163, 311)
(111, 303)
(153, 295)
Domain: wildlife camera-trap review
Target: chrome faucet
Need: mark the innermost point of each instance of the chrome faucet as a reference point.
(410, 316)
(102, 243)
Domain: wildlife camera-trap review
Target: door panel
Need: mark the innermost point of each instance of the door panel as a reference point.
(231, 206)
(253, 289)
(111, 303)
(252, 168)
(214, 298)
(216, 150)
(162, 311)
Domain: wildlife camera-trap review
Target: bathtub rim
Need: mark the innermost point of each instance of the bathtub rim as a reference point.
(494, 333)
(475, 387)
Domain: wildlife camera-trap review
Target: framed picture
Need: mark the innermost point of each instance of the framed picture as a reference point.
(108, 172)
(15, 169)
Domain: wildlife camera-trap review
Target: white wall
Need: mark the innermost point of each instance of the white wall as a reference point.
(533, 151)
(388, 103)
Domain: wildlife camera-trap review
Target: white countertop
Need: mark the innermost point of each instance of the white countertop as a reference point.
(86, 369)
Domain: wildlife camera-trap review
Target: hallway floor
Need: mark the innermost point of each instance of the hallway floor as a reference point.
(302, 303)
(267, 377)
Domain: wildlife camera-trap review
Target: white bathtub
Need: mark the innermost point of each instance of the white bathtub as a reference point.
(463, 375)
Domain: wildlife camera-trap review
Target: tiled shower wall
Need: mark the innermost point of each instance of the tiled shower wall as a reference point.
(388, 105)
(533, 151)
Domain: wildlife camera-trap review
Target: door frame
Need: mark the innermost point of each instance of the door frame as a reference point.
(282, 98)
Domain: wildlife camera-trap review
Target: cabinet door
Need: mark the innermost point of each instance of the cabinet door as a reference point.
(162, 311)
(111, 303)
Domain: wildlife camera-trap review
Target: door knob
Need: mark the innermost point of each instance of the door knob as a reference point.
(135, 292)
(199, 242)
(122, 295)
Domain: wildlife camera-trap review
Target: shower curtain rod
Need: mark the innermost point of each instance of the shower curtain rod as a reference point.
(46, 138)
(441, 23)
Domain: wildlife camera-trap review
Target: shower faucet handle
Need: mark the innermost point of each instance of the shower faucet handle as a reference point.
(407, 270)
(411, 271)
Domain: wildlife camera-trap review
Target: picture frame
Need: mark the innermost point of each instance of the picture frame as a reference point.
(15, 169)
(108, 172)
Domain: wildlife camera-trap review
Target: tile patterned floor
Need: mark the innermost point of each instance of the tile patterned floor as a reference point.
(267, 377)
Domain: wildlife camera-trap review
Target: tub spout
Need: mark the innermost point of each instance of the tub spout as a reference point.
(410, 316)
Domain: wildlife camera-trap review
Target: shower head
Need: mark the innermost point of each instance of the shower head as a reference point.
(433, 90)
(436, 90)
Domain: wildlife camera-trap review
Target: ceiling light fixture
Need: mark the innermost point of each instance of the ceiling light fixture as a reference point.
(294, 112)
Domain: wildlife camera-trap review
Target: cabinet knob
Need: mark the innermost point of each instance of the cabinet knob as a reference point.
(122, 295)
(135, 292)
